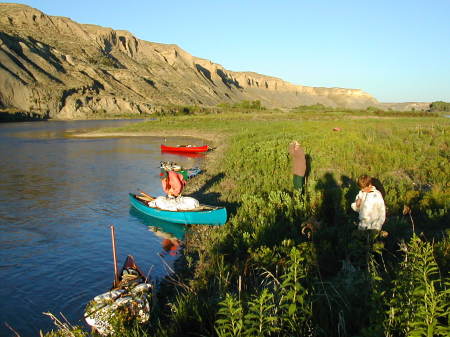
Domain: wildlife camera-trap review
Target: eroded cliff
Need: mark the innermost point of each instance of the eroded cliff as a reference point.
(56, 67)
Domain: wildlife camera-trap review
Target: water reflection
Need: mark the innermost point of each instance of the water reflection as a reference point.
(170, 234)
(171, 229)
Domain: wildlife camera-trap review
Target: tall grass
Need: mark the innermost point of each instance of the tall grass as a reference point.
(419, 302)
(260, 276)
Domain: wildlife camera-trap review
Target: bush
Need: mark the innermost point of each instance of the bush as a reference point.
(440, 106)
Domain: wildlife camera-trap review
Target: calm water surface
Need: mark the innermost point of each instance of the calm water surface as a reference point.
(58, 198)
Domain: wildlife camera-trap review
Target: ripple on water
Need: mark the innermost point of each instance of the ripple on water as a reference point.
(59, 198)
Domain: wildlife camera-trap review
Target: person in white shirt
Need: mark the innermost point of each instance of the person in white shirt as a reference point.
(369, 204)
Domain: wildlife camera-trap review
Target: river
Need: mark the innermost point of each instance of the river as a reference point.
(58, 197)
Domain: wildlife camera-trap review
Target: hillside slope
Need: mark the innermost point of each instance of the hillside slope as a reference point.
(56, 67)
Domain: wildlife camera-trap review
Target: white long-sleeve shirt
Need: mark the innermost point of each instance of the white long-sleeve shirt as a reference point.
(372, 211)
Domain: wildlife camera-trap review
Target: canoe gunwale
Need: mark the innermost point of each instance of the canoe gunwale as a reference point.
(193, 149)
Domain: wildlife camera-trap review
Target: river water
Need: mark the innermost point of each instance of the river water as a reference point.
(58, 197)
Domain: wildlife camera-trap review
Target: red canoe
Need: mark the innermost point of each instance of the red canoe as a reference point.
(185, 154)
(183, 148)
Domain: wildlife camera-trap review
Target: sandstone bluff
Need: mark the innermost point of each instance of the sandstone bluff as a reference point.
(58, 68)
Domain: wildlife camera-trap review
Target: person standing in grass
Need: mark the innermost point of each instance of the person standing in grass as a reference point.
(298, 165)
(369, 204)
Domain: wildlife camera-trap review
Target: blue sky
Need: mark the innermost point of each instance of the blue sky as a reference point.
(397, 50)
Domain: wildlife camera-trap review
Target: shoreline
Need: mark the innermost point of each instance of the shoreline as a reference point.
(213, 137)
(247, 172)
(211, 160)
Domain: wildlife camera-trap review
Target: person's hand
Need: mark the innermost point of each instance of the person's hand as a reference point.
(358, 203)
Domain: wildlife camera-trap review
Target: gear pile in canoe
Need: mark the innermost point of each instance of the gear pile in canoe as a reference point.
(130, 296)
(201, 214)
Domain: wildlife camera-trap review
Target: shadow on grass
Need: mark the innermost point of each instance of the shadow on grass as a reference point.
(331, 211)
(213, 198)
(347, 257)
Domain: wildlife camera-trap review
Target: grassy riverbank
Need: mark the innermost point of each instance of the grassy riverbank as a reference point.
(260, 276)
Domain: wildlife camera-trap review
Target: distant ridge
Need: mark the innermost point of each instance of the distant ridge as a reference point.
(59, 68)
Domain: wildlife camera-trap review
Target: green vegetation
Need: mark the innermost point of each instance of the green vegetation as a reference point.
(105, 60)
(14, 115)
(247, 106)
(291, 264)
(369, 111)
(183, 110)
(440, 106)
(64, 328)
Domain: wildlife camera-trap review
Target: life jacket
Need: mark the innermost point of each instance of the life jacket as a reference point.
(173, 183)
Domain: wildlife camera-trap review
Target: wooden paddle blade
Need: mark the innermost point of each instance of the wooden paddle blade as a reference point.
(146, 195)
(144, 198)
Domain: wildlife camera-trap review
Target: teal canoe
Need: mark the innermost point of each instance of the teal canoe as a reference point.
(204, 215)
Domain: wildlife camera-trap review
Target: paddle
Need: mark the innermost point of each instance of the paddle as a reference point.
(116, 273)
(145, 196)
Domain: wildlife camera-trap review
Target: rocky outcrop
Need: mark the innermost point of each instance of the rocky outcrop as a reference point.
(56, 67)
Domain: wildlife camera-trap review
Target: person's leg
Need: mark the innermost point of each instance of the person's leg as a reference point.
(299, 181)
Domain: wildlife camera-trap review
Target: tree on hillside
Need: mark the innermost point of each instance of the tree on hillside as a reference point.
(439, 106)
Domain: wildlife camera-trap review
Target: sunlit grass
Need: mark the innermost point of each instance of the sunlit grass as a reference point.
(259, 274)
